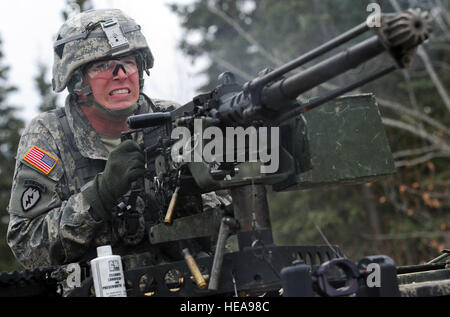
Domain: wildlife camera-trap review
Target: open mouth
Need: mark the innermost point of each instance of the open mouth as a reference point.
(123, 91)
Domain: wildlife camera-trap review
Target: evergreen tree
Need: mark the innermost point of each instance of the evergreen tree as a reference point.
(10, 130)
(44, 87)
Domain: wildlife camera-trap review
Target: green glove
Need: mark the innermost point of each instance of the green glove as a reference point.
(125, 165)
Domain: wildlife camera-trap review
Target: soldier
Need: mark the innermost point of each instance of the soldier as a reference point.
(72, 168)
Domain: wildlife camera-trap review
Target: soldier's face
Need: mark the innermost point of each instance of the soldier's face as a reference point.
(114, 84)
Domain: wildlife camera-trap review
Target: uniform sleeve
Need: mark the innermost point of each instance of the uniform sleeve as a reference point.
(44, 229)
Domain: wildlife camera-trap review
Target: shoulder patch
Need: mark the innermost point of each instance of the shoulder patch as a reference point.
(30, 198)
(40, 159)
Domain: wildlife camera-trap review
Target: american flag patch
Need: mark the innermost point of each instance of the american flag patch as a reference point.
(41, 160)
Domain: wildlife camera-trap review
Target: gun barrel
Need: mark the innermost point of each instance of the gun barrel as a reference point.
(149, 120)
(341, 39)
(400, 34)
(290, 88)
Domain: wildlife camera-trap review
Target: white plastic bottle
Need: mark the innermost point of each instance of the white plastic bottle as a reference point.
(107, 274)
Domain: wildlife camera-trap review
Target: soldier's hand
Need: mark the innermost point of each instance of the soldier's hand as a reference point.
(125, 165)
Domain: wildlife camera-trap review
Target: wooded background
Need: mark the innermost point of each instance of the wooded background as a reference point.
(405, 216)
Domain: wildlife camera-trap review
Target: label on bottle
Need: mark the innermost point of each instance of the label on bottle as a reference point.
(110, 277)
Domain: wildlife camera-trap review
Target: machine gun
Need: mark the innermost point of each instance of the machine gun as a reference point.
(269, 100)
(342, 142)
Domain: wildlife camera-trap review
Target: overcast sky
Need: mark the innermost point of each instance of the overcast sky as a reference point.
(28, 29)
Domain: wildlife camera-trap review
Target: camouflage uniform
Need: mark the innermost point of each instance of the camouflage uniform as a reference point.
(50, 222)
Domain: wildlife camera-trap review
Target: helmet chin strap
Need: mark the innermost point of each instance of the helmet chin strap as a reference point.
(121, 113)
(89, 101)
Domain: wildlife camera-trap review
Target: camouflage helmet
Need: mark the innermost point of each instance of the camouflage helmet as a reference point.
(94, 35)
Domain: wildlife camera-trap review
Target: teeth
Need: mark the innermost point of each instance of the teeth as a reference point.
(120, 91)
